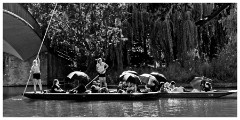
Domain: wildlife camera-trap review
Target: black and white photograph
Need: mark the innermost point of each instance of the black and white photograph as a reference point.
(119, 59)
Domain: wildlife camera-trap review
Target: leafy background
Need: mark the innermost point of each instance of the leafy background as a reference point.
(144, 37)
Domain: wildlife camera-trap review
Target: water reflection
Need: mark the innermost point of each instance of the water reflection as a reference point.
(140, 109)
(157, 108)
(172, 107)
(15, 106)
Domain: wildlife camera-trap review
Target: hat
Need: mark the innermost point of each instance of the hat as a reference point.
(172, 82)
(98, 59)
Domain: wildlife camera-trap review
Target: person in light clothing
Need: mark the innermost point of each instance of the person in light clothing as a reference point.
(35, 70)
(101, 68)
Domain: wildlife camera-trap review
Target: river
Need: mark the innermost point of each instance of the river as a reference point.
(16, 106)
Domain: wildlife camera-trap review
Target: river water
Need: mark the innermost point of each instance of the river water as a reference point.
(16, 106)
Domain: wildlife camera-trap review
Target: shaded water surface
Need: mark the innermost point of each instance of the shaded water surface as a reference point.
(15, 106)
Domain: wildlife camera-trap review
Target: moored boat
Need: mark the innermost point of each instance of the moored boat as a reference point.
(209, 94)
(125, 96)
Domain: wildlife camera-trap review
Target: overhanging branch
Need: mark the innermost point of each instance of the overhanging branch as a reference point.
(208, 18)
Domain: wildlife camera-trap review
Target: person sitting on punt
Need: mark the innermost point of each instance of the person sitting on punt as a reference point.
(172, 85)
(173, 88)
(138, 89)
(161, 86)
(56, 88)
(132, 88)
(104, 90)
(207, 86)
(95, 87)
(166, 87)
(152, 84)
(79, 89)
(122, 87)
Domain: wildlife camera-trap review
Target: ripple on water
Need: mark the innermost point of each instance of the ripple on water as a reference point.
(165, 107)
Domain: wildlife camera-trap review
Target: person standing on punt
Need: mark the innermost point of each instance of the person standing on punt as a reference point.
(101, 68)
(35, 70)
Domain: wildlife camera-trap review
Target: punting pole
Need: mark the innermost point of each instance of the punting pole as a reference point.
(92, 80)
(41, 45)
(47, 29)
(27, 84)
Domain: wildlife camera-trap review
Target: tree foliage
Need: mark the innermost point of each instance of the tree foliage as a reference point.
(134, 34)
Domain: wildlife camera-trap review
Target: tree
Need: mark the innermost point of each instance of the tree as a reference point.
(134, 33)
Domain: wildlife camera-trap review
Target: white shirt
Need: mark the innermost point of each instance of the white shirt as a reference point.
(101, 68)
(35, 69)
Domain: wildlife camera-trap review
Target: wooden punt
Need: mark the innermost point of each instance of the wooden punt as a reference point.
(125, 96)
(92, 96)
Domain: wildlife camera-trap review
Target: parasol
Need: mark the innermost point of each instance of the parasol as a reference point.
(159, 77)
(81, 77)
(129, 77)
(197, 81)
(145, 78)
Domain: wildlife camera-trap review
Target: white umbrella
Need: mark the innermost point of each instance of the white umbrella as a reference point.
(146, 77)
(159, 77)
(130, 77)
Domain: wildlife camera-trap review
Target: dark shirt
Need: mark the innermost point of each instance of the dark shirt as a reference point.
(81, 89)
(53, 88)
(155, 87)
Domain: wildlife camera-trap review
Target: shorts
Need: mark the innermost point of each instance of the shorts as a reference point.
(102, 75)
(102, 81)
(36, 75)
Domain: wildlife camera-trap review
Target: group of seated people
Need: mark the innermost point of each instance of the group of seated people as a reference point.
(128, 87)
(95, 88)
(57, 89)
(170, 87)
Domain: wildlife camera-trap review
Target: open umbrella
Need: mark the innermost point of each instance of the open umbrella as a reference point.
(129, 77)
(145, 78)
(81, 77)
(197, 81)
(159, 77)
(130, 71)
(120, 78)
